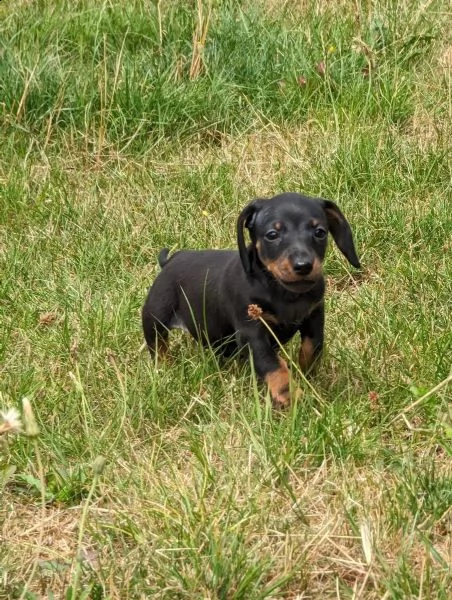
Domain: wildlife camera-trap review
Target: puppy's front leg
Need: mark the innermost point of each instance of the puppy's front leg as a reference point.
(278, 384)
(311, 332)
(272, 369)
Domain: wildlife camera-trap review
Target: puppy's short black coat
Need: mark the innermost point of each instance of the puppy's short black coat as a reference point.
(213, 293)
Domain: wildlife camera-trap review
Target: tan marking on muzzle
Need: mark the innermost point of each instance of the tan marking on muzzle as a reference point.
(279, 268)
(282, 269)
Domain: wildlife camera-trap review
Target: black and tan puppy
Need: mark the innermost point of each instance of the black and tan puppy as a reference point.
(212, 293)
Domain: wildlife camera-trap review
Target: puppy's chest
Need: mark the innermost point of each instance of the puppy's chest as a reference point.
(286, 314)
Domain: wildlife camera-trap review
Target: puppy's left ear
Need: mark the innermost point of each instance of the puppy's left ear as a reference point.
(246, 219)
(341, 232)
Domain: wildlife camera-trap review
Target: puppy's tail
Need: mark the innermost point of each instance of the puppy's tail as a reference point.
(163, 257)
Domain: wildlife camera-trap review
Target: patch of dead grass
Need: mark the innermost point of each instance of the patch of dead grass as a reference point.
(346, 537)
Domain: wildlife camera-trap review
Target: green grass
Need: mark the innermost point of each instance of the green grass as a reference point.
(111, 151)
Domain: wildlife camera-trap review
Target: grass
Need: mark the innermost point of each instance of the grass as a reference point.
(119, 137)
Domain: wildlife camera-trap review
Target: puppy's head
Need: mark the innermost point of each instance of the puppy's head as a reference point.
(289, 237)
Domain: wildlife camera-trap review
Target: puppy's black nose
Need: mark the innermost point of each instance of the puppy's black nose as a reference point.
(302, 266)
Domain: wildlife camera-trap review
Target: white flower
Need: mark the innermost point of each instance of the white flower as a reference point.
(11, 421)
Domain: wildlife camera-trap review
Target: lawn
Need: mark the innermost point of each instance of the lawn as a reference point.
(128, 127)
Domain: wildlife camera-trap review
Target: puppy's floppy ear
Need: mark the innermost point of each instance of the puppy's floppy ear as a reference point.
(341, 232)
(246, 219)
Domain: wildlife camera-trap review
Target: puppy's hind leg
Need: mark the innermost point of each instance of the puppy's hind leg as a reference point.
(155, 334)
(156, 319)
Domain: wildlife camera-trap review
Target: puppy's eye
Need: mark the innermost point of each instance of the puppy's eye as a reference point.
(272, 235)
(320, 233)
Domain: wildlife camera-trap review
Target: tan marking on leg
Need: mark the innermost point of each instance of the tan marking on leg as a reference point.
(306, 354)
(278, 384)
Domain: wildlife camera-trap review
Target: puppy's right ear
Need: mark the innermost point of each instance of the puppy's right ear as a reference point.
(246, 219)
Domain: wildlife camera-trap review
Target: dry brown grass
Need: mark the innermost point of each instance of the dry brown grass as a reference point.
(199, 38)
(344, 538)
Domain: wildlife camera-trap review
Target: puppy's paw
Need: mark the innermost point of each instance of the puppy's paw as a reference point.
(281, 401)
(278, 384)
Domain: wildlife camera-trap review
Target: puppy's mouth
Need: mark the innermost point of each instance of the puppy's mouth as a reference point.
(297, 285)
